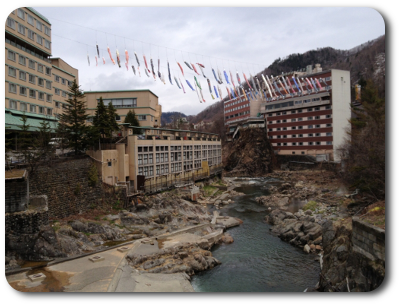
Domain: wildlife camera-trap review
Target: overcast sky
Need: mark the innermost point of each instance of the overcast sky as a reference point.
(235, 39)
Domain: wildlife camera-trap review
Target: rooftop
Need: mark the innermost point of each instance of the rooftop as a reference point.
(15, 174)
(116, 91)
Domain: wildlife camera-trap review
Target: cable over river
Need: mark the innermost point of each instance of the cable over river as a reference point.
(256, 261)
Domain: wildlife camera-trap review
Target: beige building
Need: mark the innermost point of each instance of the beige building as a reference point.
(159, 158)
(35, 84)
(143, 102)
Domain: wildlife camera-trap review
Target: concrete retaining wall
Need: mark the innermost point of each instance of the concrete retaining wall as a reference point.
(368, 240)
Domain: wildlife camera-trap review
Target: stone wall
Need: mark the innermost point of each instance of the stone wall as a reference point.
(16, 195)
(368, 240)
(66, 185)
(26, 222)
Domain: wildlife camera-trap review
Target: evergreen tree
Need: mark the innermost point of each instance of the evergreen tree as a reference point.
(101, 120)
(73, 119)
(112, 114)
(133, 121)
(25, 140)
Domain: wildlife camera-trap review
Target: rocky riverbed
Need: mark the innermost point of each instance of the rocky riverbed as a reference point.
(154, 215)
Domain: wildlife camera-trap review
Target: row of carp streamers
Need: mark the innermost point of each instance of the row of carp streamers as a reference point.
(276, 89)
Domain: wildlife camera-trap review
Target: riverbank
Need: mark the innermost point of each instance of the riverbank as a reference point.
(352, 249)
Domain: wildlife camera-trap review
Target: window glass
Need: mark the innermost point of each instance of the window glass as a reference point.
(30, 19)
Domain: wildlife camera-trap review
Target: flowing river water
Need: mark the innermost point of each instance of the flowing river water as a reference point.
(256, 261)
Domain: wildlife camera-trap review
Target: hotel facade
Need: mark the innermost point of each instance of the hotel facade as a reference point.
(36, 85)
(158, 158)
(307, 114)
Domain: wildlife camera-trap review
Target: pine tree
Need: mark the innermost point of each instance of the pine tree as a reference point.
(133, 121)
(25, 139)
(73, 119)
(112, 114)
(101, 120)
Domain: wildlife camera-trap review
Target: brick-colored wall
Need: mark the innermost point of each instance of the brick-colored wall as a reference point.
(67, 187)
(368, 240)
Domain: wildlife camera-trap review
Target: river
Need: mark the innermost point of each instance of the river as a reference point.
(256, 261)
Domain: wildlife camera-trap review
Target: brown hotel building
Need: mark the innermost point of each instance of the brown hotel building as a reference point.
(313, 123)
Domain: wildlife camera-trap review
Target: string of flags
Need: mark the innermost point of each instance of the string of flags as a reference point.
(275, 88)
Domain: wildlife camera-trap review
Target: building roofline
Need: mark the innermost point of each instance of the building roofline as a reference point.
(38, 14)
(140, 90)
(25, 41)
(63, 70)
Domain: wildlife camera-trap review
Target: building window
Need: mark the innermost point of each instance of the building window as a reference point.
(299, 111)
(31, 64)
(109, 163)
(118, 118)
(329, 143)
(293, 111)
(300, 127)
(317, 126)
(12, 72)
(309, 109)
(22, 60)
(318, 143)
(47, 30)
(317, 117)
(21, 29)
(300, 135)
(300, 119)
(293, 120)
(11, 23)
(57, 104)
(31, 35)
(30, 19)
(49, 111)
(32, 93)
(39, 39)
(40, 82)
(141, 117)
(32, 79)
(294, 144)
(310, 143)
(12, 88)
(48, 84)
(13, 104)
(284, 144)
(57, 91)
(329, 134)
(310, 134)
(56, 78)
(11, 55)
(309, 118)
(293, 127)
(63, 81)
(47, 44)
(310, 126)
(22, 90)
(21, 14)
(41, 110)
(63, 94)
(39, 25)
(32, 108)
(293, 136)
(41, 96)
(40, 68)
(48, 71)
(49, 98)
(328, 125)
(328, 116)
(328, 107)
(23, 107)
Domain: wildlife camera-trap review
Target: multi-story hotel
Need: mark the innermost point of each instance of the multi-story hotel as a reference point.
(36, 85)
(303, 112)
(143, 102)
(312, 120)
(158, 158)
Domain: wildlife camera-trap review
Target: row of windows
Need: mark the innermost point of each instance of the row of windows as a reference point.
(327, 107)
(177, 148)
(237, 114)
(327, 134)
(232, 103)
(22, 75)
(28, 49)
(303, 143)
(63, 80)
(11, 55)
(30, 107)
(23, 30)
(30, 19)
(237, 108)
(300, 127)
(122, 103)
(12, 88)
(292, 103)
(310, 118)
